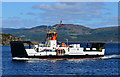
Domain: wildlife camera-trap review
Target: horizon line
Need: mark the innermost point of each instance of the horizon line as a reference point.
(55, 24)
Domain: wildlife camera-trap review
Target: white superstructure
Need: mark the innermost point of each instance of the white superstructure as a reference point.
(73, 49)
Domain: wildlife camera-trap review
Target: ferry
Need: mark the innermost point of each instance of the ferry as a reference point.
(51, 49)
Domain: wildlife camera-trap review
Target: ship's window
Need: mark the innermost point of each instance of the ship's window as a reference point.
(50, 35)
(48, 50)
(68, 49)
(70, 46)
(37, 50)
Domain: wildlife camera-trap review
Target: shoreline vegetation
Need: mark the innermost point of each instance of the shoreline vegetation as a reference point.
(6, 38)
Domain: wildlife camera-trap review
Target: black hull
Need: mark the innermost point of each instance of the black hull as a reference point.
(64, 57)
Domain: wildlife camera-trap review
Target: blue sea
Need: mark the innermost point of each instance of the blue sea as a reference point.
(108, 65)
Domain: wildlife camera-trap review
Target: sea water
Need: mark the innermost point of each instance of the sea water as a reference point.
(107, 65)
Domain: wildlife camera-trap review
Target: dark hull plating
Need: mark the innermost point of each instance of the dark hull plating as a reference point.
(64, 57)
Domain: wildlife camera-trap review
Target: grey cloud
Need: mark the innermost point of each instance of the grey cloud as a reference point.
(71, 10)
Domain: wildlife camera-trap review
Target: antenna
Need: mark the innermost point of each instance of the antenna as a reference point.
(47, 29)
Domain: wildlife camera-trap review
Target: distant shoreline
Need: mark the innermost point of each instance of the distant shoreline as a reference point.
(74, 42)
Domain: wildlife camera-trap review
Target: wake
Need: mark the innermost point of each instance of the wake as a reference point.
(111, 57)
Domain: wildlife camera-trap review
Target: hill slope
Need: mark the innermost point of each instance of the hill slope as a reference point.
(76, 33)
(6, 38)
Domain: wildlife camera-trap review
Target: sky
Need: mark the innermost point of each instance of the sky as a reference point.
(32, 14)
